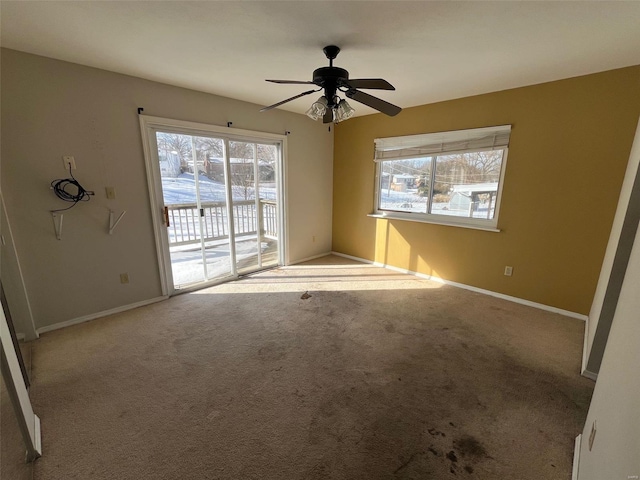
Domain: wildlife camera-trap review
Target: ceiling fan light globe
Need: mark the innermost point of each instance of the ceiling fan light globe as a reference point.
(317, 109)
(343, 111)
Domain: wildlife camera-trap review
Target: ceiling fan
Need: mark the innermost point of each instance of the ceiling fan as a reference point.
(330, 107)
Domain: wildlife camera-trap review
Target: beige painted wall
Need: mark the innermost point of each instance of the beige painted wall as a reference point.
(52, 108)
(615, 406)
(570, 144)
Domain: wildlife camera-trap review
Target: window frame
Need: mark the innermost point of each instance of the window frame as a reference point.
(438, 219)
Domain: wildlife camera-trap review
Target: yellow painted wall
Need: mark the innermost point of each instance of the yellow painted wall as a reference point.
(570, 144)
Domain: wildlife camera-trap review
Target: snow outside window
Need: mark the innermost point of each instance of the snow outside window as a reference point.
(457, 183)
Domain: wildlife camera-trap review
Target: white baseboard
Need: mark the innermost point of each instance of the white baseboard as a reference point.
(590, 375)
(23, 337)
(521, 301)
(93, 316)
(576, 457)
(309, 258)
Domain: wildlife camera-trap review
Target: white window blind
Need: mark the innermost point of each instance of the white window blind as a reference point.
(442, 143)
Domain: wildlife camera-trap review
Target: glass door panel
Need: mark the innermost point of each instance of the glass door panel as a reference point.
(194, 194)
(253, 186)
(213, 207)
(268, 203)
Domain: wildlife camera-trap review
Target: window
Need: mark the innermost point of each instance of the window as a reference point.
(454, 178)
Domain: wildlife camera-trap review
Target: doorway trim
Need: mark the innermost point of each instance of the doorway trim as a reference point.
(147, 123)
(28, 422)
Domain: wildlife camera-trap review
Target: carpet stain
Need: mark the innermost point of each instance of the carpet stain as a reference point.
(305, 296)
(470, 446)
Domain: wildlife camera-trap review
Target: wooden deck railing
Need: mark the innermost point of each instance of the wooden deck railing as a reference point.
(184, 227)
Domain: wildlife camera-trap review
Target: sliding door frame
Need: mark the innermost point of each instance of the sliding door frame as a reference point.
(148, 126)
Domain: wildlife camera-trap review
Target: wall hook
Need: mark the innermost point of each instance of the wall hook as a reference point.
(57, 225)
(112, 224)
(229, 124)
(140, 110)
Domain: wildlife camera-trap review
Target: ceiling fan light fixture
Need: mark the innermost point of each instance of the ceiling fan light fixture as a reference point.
(318, 109)
(343, 111)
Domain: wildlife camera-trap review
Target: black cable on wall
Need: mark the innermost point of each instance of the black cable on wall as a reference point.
(70, 190)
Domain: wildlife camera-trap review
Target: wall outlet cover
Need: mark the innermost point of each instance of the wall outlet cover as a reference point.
(69, 162)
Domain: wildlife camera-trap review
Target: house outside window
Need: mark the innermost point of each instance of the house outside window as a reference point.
(453, 178)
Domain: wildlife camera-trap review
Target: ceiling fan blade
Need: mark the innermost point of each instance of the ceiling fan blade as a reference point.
(294, 82)
(374, 102)
(374, 83)
(328, 116)
(287, 100)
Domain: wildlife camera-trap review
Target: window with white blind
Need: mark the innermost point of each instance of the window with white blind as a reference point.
(452, 178)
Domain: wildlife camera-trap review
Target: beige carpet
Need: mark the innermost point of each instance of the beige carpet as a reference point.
(373, 375)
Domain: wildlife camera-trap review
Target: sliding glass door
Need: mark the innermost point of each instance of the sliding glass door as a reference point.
(253, 169)
(220, 203)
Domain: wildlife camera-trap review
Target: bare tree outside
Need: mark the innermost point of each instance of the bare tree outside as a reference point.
(207, 150)
(241, 155)
(243, 174)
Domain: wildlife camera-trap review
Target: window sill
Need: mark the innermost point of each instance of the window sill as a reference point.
(387, 216)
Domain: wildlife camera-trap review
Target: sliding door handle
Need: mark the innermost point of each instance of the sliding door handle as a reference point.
(166, 216)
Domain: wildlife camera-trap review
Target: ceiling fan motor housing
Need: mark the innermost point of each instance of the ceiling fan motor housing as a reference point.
(329, 78)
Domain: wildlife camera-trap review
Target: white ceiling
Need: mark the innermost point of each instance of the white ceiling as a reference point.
(430, 51)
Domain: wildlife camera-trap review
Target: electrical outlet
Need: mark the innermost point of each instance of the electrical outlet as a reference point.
(124, 278)
(508, 271)
(111, 192)
(69, 162)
